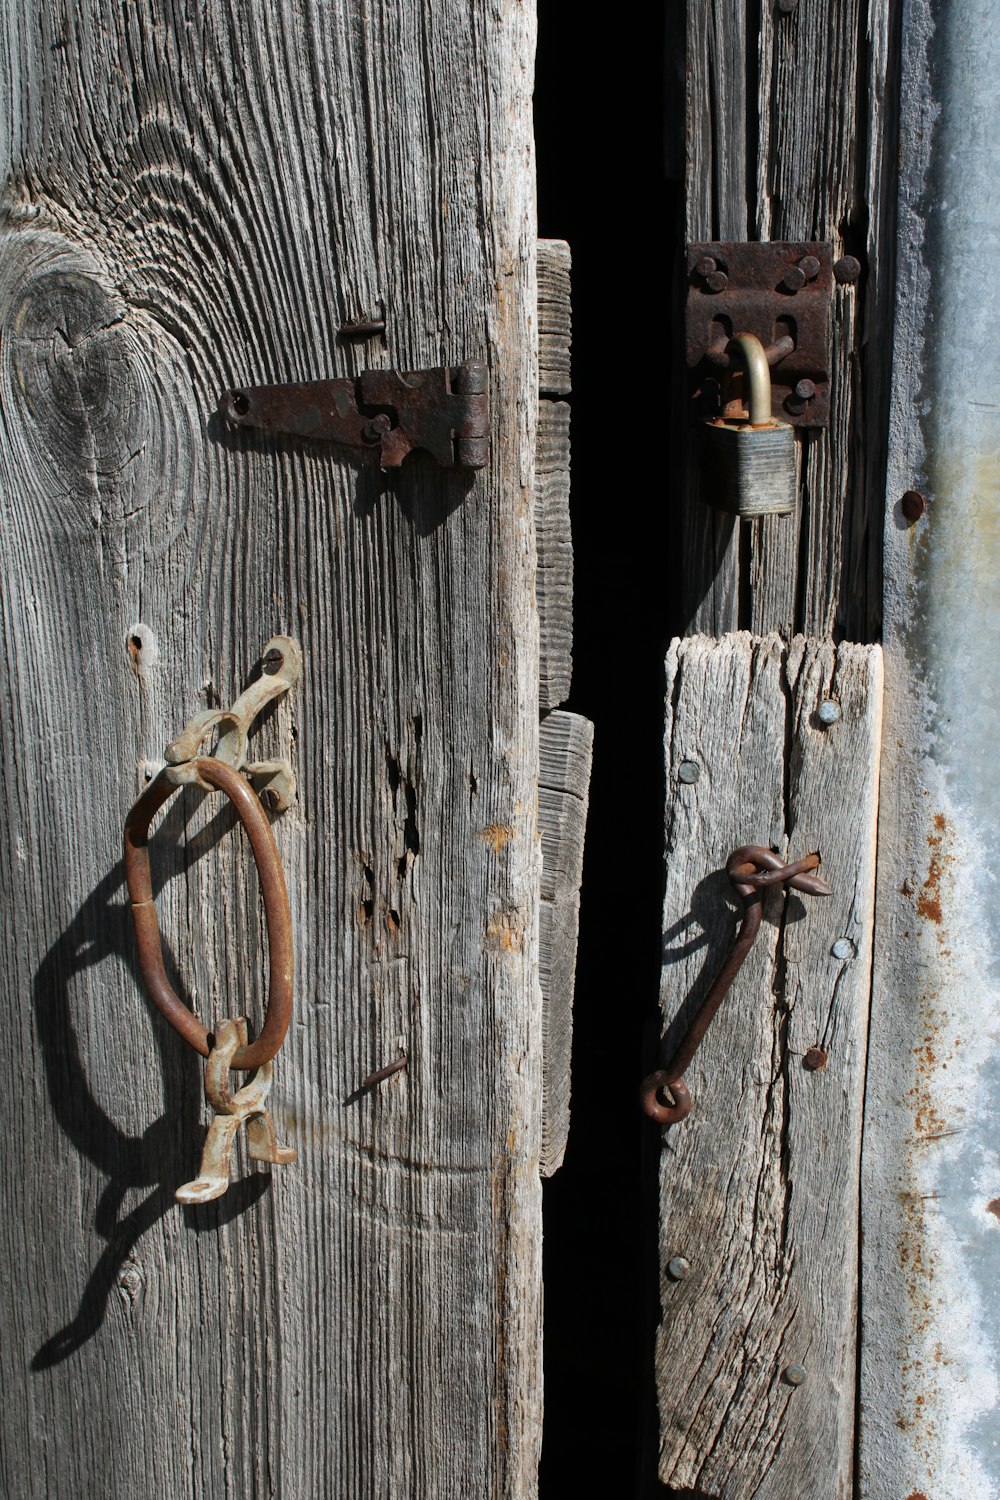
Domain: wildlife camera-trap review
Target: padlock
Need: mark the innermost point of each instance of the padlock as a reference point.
(749, 462)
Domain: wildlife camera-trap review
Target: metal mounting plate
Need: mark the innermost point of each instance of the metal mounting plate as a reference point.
(775, 290)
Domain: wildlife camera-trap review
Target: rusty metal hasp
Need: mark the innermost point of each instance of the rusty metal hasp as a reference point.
(444, 411)
(229, 1047)
(782, 293)
(752, 869)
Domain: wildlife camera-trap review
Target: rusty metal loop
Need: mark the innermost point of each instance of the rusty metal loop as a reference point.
(208, 771)
(752, 869)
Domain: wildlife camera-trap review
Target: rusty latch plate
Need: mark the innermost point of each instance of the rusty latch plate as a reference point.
(443, 411)
(777, 291)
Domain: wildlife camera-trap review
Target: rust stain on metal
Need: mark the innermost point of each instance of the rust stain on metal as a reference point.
(816, 1059)
(929, 899)
(752, 869)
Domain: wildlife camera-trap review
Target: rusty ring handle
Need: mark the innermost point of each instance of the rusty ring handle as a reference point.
(751, 869)
(277, 911)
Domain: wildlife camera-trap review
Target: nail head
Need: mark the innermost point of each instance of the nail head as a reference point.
(794, 279)
(828, 711)
(717, 281)
(678, 1267)
(706, 266)
(786, 7)
(816, 1059)
(795, 1374)
(913, 504)
(689, 772)
(809, 266)
(847, 269)
(843, 948)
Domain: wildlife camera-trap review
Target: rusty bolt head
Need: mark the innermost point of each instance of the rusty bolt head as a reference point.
(795, 1374)
(805, 390)
(847, 269)
(678, 1267)
(706, 266)
(717, 282)
(794, 279)
(816, 1059)
(913, 504)
(809, 266)
(795, 405)
(376, 426)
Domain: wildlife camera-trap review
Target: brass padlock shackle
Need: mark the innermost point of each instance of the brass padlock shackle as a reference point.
(750, 349)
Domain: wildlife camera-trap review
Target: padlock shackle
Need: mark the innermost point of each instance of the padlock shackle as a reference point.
(750, 349)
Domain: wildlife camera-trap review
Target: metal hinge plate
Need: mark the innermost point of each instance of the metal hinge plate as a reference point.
(443, 411)
(779, 292)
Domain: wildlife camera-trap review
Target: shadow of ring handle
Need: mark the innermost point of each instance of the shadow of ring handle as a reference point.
(277, 911)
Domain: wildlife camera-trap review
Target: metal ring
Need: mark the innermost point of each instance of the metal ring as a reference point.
(277, 911)
(649, 1098)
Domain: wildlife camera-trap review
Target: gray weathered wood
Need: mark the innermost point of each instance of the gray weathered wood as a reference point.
(759, 1186)
(555, 318)
(554, 578)
(193, 198)
(779, 149)
(565, 746)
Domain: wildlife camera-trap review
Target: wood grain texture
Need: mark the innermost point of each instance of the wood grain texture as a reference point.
(554, 577)
(566, 746)
(195, 198)
(555, 318)
(759, 1186)
(788, 138)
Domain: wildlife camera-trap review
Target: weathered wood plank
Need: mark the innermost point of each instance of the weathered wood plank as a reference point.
(554, 576)
(788, 139)
(759, 1186)
(195, 198)
(566, 745)
(555, 318)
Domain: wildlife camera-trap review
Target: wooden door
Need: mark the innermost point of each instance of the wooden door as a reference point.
(773, 738)
(197, 196)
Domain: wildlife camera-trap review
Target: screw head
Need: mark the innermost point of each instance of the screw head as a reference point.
(913, 504)
(717, 282)
(809, 266)
(847, 269)
(844, 948)
(816, 1059)
(688, 771)
(795, 1374)
(828, 711)
(678, 1267)
(706, 266)
(805, 390)
(794, 279)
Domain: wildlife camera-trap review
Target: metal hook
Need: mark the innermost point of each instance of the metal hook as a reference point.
(752, 870)
(233, 1109)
